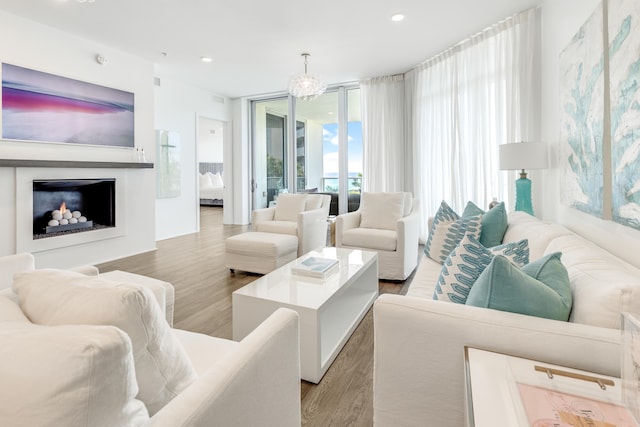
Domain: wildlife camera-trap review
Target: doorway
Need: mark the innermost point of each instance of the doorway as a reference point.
(211, 177)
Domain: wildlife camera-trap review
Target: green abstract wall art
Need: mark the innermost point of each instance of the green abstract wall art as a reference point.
(592, 142)
(582, 116)
(624, 75)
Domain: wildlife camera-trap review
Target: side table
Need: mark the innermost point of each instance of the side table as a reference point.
(503, 390)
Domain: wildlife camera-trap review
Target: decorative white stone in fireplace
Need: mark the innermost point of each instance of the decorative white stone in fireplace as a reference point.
(25, 241)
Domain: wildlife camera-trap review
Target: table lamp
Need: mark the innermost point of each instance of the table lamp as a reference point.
(523, 155)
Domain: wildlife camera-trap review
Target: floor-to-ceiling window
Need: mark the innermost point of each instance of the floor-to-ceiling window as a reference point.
(321, 152)
(322, 147)
(276, 158)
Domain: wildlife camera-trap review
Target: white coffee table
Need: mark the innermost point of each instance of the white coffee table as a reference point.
(329, 310)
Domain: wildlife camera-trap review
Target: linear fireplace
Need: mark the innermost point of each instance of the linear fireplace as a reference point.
(72, 206)
(97, 195)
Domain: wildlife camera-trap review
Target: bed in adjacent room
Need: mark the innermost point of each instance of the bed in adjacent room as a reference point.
(211, 184)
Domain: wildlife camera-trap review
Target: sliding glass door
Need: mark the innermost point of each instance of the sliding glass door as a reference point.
(313, 145)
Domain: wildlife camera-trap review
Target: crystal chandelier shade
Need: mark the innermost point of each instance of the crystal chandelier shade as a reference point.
(306, 86)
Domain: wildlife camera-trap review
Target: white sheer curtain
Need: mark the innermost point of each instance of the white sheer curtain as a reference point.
(383, 133)
(465, 102)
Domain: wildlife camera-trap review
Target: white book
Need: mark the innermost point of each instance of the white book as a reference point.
(315, 267)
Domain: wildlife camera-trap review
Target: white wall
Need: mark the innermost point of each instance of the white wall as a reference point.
(28, 44)
(238, 155)
(560, 21)
(177, 107)
(210, 139)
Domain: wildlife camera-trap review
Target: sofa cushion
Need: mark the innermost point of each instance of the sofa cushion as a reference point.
(289, 206)
(467, 261)
(447, 231)
(381, 210)
(56, 297)
(541, 288)
(370, 238)
(280, 227)
(539, 233)
(204, 351)
(494, 223)
(602, 285)
(73, 375)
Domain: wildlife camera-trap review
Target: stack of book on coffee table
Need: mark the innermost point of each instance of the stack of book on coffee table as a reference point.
(317, 267)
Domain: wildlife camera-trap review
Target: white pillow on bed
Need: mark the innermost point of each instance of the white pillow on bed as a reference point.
(205, 180)
(216, 180)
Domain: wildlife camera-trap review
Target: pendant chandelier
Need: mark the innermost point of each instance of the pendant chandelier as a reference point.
(305, 85)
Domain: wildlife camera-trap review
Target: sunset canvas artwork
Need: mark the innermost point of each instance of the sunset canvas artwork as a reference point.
(38, 106)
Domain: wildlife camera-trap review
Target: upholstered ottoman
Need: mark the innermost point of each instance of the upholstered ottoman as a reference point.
(163, 291)
(259, 252)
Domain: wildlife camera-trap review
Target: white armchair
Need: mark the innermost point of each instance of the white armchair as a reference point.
(387, 223)
(301, 215)
(95, 366)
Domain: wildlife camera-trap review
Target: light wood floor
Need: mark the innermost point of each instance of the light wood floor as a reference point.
(194, 264)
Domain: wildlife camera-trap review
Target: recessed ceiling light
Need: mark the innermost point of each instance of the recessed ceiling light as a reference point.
(397, 17)
(206, 59)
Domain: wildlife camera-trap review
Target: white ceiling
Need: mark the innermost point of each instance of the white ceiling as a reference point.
(256, 44)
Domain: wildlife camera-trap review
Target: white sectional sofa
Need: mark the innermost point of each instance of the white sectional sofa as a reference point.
(62, 372)
(419, 358)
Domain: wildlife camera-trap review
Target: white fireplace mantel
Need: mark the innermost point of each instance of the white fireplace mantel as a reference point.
(27, 163)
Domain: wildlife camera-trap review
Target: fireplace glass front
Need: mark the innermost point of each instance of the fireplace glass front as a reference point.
(72, 206)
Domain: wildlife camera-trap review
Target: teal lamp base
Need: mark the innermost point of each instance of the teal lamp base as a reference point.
(523, 194)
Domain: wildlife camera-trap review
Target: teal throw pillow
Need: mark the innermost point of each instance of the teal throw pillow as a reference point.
(467, 261)
(471, 210)
(494, 223)
(447, 231)
(541, 288)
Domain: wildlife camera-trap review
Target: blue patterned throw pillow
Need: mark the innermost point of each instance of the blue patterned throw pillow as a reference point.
(447, 231)
(468, 260)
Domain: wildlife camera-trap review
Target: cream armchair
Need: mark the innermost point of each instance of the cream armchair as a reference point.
(387, 223)
(301, 215)
(100, 376)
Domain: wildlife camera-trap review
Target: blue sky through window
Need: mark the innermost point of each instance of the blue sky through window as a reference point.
(330, 149)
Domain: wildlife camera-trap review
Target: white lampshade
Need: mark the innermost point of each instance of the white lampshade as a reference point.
(523, 155)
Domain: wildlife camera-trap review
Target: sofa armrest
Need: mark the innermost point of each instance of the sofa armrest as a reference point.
(261, 215)
(419, 354)
(408, 230)
(346, 222)
(312, 230)
(257, 384)
(87, 270)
